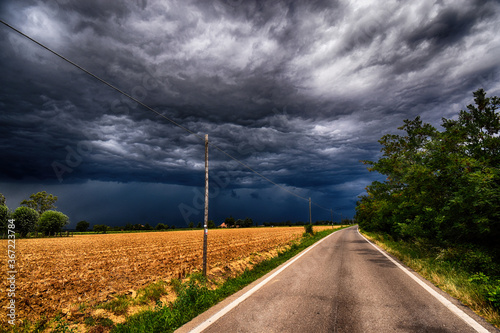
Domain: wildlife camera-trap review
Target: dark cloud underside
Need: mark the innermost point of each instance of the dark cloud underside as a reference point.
(300, 91)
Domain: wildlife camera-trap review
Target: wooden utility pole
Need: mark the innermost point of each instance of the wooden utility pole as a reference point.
(310, 215)
(205, 234)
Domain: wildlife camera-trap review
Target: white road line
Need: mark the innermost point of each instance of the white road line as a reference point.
(453, 308)
(243, 297)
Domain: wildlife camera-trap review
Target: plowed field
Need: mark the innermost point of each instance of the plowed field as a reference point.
(54, 274)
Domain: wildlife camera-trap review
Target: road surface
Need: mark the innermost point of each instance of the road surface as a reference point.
(344, 284)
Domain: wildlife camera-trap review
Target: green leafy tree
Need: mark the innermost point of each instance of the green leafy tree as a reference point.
(82, 226)
(230, 222)
(211, 224)
(4, 218)
(248, 222)
(2, 200)
(441, 186)
(25, 220)
(161, 226)
(41, 202)
(100, 228)
(191, 225)
(52, 222)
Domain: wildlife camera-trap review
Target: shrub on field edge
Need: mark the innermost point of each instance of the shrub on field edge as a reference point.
(309, 229)
(25, 220)
(52, 222)
(100, 228)
(4, 218)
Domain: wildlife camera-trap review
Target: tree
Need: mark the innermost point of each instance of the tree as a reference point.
(191, 225)
(41, 202)
(25, 220)
(52, 222)
(2, 200)
(4, 218)
(248, 222)
(161, 226)
(100, 228)
(82, 226)
(211, 224)
(440, 186)
(199, 225)
(229, 221)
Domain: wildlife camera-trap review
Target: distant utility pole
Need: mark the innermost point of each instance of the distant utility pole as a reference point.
(310, 215)
(205, 234)
(331, 212)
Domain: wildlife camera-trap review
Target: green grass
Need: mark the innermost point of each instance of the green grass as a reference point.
(194, 297)
(467, 273)
(151, 293)
(118, 305)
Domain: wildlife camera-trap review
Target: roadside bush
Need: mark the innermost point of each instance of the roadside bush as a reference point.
(489, 288)
(494, 296)
(26, 219)
(309, 229)
(52, 222)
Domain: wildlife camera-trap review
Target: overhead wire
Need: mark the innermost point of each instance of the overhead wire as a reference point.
(155, 111)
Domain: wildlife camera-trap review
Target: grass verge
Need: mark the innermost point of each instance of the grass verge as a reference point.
(194, 296)
(465, 274)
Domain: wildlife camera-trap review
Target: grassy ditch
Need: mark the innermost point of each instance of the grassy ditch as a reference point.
(469, 274)
(194, 295)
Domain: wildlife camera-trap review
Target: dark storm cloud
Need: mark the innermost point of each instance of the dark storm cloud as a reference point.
(299, 91)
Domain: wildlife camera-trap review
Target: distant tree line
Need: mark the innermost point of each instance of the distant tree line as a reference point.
(302, 223)
(229, 222)
(37, 214)
(441, 186)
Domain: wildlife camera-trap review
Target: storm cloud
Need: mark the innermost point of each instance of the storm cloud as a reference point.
(298, 91)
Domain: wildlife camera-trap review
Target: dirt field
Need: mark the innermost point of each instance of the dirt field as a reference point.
(54, 274)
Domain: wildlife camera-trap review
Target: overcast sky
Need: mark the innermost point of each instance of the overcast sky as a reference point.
(300, 91)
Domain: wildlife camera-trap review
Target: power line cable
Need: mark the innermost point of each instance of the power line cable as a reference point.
(154, 111)
(99, 79)
(320, 206)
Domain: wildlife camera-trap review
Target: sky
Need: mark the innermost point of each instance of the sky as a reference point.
(298, 91)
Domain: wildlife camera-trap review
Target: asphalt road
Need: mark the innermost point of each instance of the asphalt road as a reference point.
(344, 284)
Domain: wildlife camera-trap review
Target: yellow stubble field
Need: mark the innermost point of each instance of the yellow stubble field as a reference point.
(57, 273)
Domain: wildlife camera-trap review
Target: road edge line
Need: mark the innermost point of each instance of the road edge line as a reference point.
(452, 307)
(243, 297)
